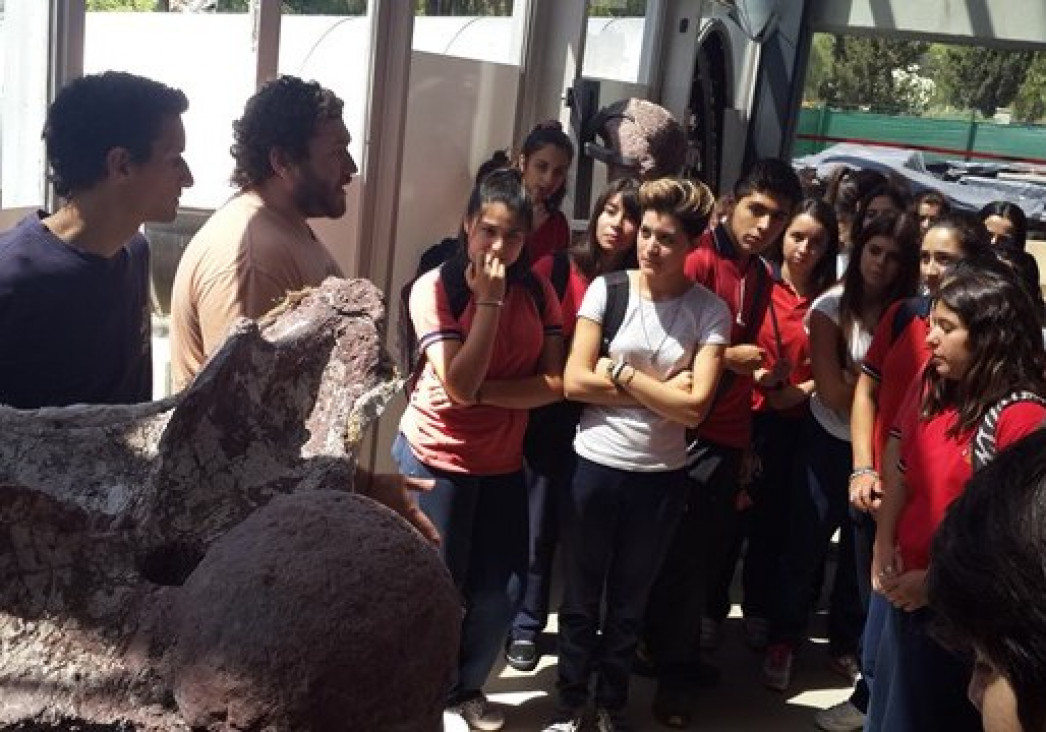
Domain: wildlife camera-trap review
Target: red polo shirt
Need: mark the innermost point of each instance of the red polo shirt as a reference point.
(783, 335)
(936, 467)
(895, 359)
(577, 283)
(552, 236)
(743, 282)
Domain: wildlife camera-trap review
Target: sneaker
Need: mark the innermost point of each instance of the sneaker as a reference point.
(522, 655)
(777, 666)
(711, 633)
(612, 720)
(756, 630)
(843, 717)
(846, 666)
(454, 722)
(479, 714)
(565, 720)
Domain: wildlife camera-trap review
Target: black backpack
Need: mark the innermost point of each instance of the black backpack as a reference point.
(452, 276)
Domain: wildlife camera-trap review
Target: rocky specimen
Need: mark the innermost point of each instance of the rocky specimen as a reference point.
(149, 580)
(641, 139)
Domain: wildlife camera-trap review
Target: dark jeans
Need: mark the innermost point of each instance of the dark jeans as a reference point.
(776, 442)
(819, 506)
(696, 560)
(875, 606)
(919, 685)
(616, 529)
(482, 521)
(545, 493)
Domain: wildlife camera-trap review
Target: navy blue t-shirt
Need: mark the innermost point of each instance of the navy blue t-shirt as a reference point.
(74, 327)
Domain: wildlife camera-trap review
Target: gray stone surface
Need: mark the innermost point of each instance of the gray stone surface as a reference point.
(105, 512)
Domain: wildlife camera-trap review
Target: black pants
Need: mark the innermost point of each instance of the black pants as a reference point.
(616, 528)
(696, 561)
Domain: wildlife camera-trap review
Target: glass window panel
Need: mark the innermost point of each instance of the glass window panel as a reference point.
(614, 39)
(208, 55)
(482, 30)
(24, 59)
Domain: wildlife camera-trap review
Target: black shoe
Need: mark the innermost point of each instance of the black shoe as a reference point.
(672, 707)
(522, 655)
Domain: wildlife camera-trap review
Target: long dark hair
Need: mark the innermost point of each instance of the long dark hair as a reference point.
(1004, 341)
(823, 275)
(897, 195)
(1012, 213)
(544, 134)
(586, 253)
(505, 186)
(903, 228)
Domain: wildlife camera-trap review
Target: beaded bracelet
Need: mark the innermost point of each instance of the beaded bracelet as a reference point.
(858, 472)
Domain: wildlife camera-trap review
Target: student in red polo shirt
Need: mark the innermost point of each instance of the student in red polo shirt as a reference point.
(727, 262)
(986, 350)
(895, 358)
(803, 267)
(465, 421)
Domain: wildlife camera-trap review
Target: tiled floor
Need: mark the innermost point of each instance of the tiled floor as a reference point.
(738, 704)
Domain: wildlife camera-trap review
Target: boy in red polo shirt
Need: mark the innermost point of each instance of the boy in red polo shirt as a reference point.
(691, 582)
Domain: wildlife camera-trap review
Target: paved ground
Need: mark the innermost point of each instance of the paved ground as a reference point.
(739, 704)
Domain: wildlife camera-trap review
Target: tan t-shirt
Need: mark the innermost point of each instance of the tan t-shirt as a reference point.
(242, 263)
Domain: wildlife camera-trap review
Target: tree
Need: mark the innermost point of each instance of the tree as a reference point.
(863, 70)
(984, 79)
(1030, 103)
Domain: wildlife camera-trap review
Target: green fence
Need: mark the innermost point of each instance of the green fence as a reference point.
(821, 127)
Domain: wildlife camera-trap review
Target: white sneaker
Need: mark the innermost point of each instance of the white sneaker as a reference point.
(565, 722)
(843, 717)
(479, 714)
(454, 722)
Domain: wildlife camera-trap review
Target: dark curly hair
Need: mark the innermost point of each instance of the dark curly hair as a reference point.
(282, 115)
(95, 114)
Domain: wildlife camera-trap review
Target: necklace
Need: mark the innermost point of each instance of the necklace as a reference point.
(667, 330)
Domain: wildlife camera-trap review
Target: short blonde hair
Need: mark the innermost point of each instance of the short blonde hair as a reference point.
(689, 201)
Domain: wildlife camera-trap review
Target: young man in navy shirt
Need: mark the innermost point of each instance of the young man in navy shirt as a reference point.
(74, 285)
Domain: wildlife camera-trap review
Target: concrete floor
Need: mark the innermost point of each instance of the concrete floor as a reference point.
(738, 704)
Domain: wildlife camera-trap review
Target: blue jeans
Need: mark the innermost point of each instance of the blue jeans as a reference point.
(919, 685)
(482, 520)
(617, 525)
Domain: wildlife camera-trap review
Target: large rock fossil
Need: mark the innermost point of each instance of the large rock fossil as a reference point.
(200, 562)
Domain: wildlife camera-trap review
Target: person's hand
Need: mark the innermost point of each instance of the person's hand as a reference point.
(908, 591)
(394, 490)
(746, 358)
(887, 566)
(866, 492)
(485, 276)
(684, 381)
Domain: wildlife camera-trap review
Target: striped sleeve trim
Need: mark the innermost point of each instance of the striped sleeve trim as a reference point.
(871, 371)
(446, 334)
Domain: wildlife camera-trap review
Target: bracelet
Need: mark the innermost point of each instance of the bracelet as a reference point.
(489, 303)
(615, 375)
(631, 375)
(858, 472)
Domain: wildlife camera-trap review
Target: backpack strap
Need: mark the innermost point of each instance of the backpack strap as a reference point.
(560, 273)
(618, 292)
(452, 275)
(983, 448)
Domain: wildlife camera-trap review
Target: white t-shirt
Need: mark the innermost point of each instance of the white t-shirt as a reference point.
(837, 423)
(659, 338)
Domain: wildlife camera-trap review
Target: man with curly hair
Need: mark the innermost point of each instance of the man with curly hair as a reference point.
(74, 285)
(291, 164)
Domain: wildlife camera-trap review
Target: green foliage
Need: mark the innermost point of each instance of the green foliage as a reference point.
(862, 73)
(617, 8)
(123, 6)
(463, 7)
(984, 79)
(1030, 103)
(819, 65)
